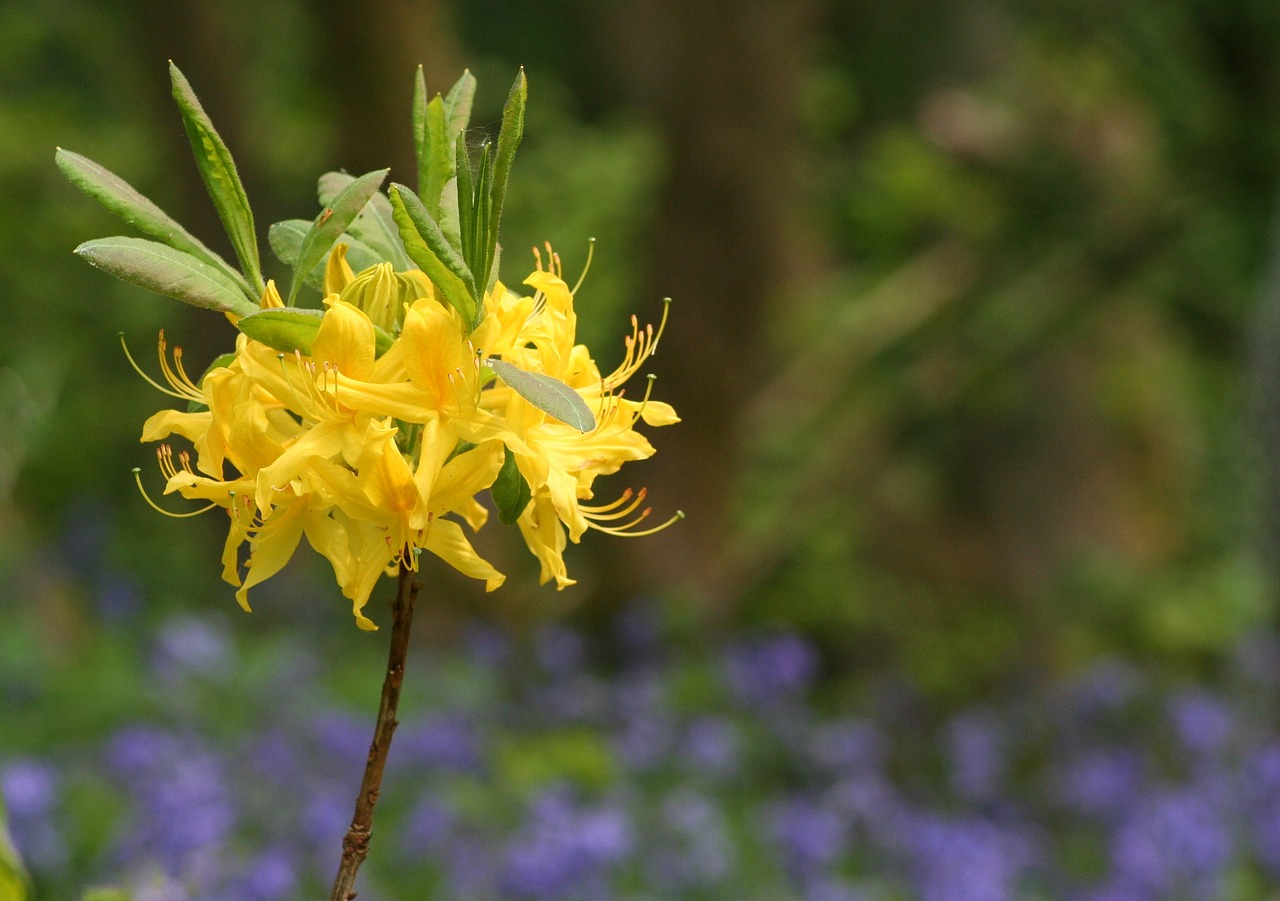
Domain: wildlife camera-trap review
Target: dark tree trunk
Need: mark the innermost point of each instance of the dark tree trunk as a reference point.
(722, 81)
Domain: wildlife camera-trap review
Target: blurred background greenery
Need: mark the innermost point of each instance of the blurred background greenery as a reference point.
(976, 332)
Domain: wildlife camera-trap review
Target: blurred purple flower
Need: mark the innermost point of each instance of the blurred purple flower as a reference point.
(118, 597)
(638, 692)
(473, 869)
(273, 756)
(712, 745)
(968, 859)
(1105, 687)
(826, 888)
(180, 790)
(868, 800)
(644, 741)
(976, 755)
(809, 835)
(1174, 841)
(487, 646)
(326, 816)
(563, 850)
(271, 876)
(1100, 782)
(770, 669)
(427, 826)
(32, 790)
(558, 649)
(30, 787)
(847, 746)
(343, 736)
(693, 850)
(639, 630)
(1260, 789)
(1202, 722)
(189, 645)
(441, 742)
(575, 698)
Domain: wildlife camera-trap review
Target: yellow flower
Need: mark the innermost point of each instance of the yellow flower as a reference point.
(559, 462)
(390, 512)
(375, 459)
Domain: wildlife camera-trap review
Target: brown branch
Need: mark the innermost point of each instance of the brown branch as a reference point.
(355, 845)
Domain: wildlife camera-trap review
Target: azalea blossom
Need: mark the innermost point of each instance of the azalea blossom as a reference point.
(375, 457)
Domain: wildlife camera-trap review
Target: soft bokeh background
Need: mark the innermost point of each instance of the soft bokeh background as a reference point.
(976, 337)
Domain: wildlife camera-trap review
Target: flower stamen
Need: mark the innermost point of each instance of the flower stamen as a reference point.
(181, 386)
(137, 477)
(640, 345)
(591, 250)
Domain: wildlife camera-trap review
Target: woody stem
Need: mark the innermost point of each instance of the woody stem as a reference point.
(355, 845)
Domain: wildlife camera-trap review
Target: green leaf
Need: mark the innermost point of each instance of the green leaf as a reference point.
(286, 237)
(330, 225)
(466, 195)
(290, 329)
(509, 138)
(220, 177)
(173, 273)
(510, 491)
(549, 395)
(123, 199)
(436, 126)
(430, 249)
(449, 218)
(457, 104)
(441, 161)
(375, 226)
(421, 145)
(483, 237)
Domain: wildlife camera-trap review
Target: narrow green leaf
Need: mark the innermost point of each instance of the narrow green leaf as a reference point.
(220, 177)
(375, 225)
(442, 120)
(421, 146)
(457, 104)
(173, 273)
(330, 225)
(286, 237)
(483, 238)
(123, 199)
(466, 193)
(430, 249)
(510, 491)
(549, 395)
(441, 156)
(509, 138)
(449, 218)
(290, 329)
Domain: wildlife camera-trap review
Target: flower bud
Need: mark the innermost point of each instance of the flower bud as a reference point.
(381, 293)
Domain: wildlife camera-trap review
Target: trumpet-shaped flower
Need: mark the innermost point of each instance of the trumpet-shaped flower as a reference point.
(559, 462)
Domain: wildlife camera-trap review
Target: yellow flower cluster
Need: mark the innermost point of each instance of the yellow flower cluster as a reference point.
(375, 454)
